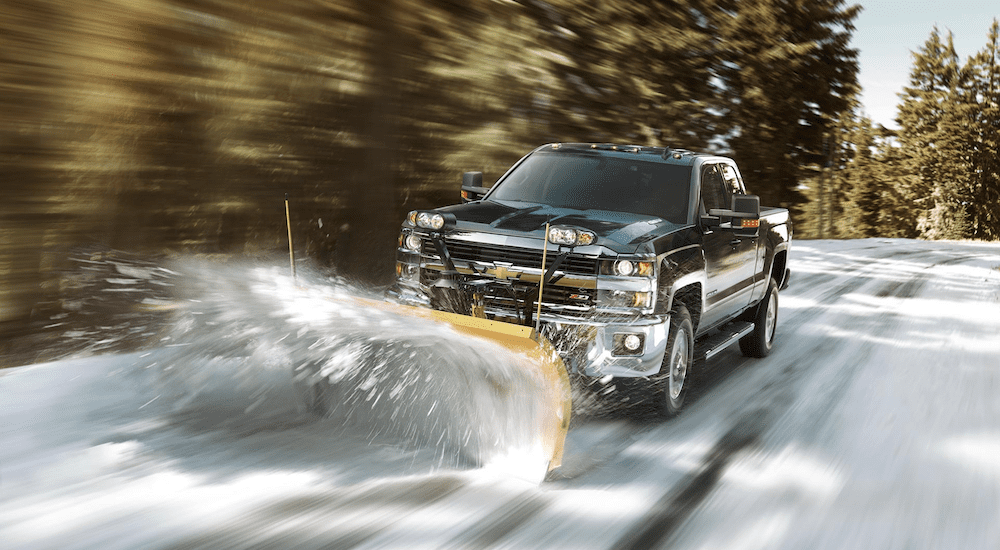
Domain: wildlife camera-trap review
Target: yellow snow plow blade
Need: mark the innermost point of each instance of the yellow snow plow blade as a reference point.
(533, 352)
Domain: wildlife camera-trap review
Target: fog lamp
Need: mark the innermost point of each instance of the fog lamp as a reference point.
(628, 343)
(632, 342)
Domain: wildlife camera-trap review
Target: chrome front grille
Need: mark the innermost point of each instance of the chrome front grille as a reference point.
(556, 300)
(508, 298)
(519, 257)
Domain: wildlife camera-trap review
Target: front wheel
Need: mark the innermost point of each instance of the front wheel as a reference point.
(675, 371)
(759, 342)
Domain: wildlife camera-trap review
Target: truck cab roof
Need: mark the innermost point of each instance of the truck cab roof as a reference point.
(668, 155)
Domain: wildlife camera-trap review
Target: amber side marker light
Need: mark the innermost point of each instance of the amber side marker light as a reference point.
(747, 223)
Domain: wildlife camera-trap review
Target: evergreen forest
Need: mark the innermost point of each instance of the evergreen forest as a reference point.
(937, 176)
(164, 127)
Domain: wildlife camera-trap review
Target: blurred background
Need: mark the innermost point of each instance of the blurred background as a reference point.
(153, 128)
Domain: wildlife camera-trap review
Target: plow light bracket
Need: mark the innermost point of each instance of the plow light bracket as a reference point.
(570, 236)
(431, 219)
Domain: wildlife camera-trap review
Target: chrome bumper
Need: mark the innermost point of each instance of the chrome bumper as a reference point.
(592, 353)
(597, 357)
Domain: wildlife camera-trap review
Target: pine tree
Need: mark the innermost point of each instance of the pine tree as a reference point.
(787, 72)
(983, 99)
(862, 190)
(933, 131)
(896, 215)
(632, 72)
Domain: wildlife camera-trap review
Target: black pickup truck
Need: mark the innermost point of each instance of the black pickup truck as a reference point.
(634, 261)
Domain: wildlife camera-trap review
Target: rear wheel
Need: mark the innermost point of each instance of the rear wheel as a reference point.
(675, 372)
(758, 343)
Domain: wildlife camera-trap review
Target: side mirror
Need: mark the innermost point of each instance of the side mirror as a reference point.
(747, 209)
(743, 218)
(472, 187)
(748, 205)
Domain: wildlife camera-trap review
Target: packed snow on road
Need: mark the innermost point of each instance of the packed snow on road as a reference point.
(874, 423)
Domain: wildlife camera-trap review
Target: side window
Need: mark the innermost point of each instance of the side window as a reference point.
(713, 189)
(733, 183)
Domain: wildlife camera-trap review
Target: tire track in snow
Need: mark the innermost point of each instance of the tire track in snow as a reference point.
(673, 507)
(776, 397)
(340, 519)
(503, 520)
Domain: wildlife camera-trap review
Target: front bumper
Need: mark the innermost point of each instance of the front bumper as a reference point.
(592, 350)
(577, 314)
(587, 346)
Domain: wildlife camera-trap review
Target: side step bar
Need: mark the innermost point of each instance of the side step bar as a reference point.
(727, 335)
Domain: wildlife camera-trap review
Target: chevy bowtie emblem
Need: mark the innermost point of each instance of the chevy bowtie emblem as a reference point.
(504, 272)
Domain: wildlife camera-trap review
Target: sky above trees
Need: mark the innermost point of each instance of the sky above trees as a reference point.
(889, 31)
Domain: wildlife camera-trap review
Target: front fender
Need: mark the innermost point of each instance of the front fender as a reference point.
(679, 269)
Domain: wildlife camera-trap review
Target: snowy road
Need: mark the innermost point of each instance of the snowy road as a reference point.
(874, 423)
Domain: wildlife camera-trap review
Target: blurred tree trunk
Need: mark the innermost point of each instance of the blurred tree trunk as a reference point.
(31, 144)
(787, 72)
(365, 248)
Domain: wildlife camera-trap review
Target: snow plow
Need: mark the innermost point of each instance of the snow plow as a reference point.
(529, 350)
(523, 346)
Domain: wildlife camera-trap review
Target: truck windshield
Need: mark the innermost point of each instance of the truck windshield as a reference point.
(585, 181)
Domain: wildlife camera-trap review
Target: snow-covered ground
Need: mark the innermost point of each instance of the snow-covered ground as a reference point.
(875, 423)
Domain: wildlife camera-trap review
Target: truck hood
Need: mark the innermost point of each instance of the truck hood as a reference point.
(618, 230)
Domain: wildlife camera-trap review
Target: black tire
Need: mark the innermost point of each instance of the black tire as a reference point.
(675, 372)
(759, 342)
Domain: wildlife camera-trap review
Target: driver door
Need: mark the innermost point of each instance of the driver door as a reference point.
(730, 260)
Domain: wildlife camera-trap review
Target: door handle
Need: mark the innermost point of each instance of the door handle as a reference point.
(735, 242)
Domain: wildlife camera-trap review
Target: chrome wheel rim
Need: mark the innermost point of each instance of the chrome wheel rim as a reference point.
(678, 364)
(771, 318)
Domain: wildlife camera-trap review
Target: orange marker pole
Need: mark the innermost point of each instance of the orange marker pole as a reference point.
(541, 281)
(291, 251)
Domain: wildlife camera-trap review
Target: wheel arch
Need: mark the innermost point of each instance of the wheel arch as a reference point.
(691, 297)
(682, 278)
(779, 267)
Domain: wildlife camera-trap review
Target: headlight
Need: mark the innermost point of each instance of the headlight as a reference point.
(627, 268)
(570, 236)
(624, 299)
(408, 272)
(412, 242)
(624, 268)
